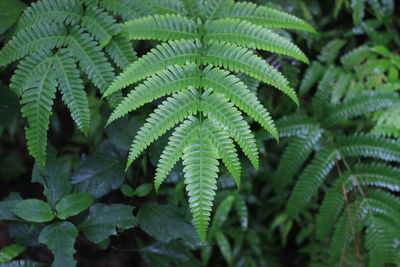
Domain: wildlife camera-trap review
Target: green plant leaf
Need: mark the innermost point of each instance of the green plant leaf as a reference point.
(60, 238)
(9, 12)
(103, 221)
(143, 190)
(10, 252)
(73, 204)
(33, 210)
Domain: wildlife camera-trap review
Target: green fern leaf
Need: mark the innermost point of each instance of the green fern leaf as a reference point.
(311, 77)
(172, 111)
(222, 82)
(126, 9)
(214, 8)
(217, 107)
(37, 101)
(355, 56)
(159, 58)
(358, 7)
(161, 27)
(201, 167)
(241, 59)
(252, 36)
(180, 138)
(195, 9)
(340, 87)
(169, 81)
(121, 51)
(322, 96)
(169, 7)
(295, 125)
(37, 37)
(72, 89)
(265, 16)
(226, 149)
(311, 179)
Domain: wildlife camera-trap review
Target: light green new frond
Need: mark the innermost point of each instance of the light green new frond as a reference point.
(322, 96)
(296, 153)
(99, 24)
(364, 145)
(27, 68)
(217, 107)
(160, 27)
(249, 35)
(72, 89)
(360, 104)
(174, 52)
(265, 16)
(37, 101)
(311, 179)
(36, 38)
(201, 168)
(295, 125)
(91, 59)
(121, 51)
(311, 77)
(126, 9)
(173, 151)
(67, 12)
(236, 91)
(214, 8)
(362, 176)
(225, 146)
(237, 58)
(172, 111)
(169, 81)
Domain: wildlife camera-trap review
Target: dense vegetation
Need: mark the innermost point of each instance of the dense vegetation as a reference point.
(199, 133)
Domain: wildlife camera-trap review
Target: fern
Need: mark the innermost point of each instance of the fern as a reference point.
(200, 40)
(65, 38)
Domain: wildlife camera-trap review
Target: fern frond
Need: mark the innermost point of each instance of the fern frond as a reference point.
(121, 52)
(172, 111)
(180, 138)
(217, 107)
(67, 12)
(126, 9)
(295, 125)
(169, 7)
(174, 52)
(311, 179)
(355, 56)
(340, 87)
(72, 89)
(265, 16)
(36, 38)
(376, 175)
(365, 145)
(214, 8)
(296, 153)
(91, 59)
(236, 91)
(311, 77)
(358, 7)
(99, 24)
(322, 96)
(37, 101)
(252, 36)
(195, 9)
(225, 147)
(388, 122)
(169, 81)
(27, 68)
(160, 27)
(331, 50)
(241, 59)
(201, 167)
(360, 104)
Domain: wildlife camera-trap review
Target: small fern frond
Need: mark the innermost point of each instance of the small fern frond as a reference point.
(217, 107)
(169, 81)
(126, 9)
(201, 168)
(355, 56)
(172, 111)
(265, 16)
(180, 138)
(241, 59)
(225, 146)
(168, 7)
(100, 25)
(252, 36)
(121, 52)
(322, 96)
(71, 87)
(214, 8)
(195, 9)
(360, 104)
(365, 145)
(296, 153)
(236, 91)
(295, 125)
(311, 179)
(160, 27)
(174, 52)
(311, 77)
(36, 38)
(37, 101)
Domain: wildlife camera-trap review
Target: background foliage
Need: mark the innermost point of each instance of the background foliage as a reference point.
(326, 195)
